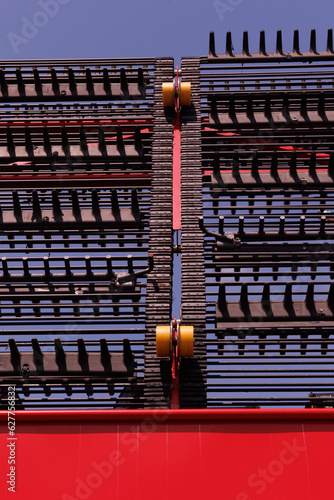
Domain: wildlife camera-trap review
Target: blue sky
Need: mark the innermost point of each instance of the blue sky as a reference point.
(136, 28)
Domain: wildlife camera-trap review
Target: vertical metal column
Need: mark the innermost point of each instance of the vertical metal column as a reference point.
(192, 373)
(159, 286)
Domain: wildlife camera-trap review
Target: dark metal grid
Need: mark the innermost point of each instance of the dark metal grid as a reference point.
(59, 112)
(267, 198)
(159, 286)
(72, 80)
(94, 143)
(192, 370)
(278, 56)
(76, 227)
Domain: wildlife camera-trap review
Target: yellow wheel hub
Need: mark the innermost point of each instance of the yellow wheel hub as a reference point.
(163, 341)
(168, 94)
(185, 93)
(186, 341)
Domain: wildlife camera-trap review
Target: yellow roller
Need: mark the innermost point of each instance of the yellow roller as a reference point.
(185, 93)
(186, 341)
(168, 94)
(163, 337)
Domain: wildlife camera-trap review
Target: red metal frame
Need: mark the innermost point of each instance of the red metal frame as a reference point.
(175, 394)
(247, 415)
(179, 454)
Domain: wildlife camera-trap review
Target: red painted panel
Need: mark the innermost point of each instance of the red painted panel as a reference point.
(178, 454)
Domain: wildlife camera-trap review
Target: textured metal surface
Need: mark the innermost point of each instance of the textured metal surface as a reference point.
(74, 80)
(296, 55)
(84, 207)
(265, 153)
(159, 286)
(86, 233)
(192, 371)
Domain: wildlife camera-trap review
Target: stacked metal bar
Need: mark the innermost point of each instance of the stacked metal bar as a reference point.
(82, 216)
(267, 168)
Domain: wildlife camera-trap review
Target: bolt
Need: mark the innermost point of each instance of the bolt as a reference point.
(63, 92)
(55, 153)
(46, 219)
(321, 312)
(25, 368)
(303, 180)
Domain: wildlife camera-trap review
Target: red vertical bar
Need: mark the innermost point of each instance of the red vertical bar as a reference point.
(177, 172)
(175, 391)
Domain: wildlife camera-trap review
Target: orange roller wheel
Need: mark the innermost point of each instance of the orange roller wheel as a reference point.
(168, 94)
(186, 341)
(163, 336)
